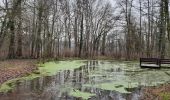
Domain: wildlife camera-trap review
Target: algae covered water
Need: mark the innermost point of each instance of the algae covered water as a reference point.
(93, 80)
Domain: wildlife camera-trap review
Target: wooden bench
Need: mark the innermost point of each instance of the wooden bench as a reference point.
(153, 62)
(165, 61)
(150, 63)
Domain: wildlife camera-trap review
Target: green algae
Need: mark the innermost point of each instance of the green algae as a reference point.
(112, 76)
(10, 84)
(51, 68)
(114, 86)
(67, 88)
(47, 69)
(80, 94)
(7, 86)
(125, 76)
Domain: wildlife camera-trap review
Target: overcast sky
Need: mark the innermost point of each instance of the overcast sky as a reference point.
(112, 2)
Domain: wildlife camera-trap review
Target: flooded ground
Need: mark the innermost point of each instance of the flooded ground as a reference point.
(93, 80)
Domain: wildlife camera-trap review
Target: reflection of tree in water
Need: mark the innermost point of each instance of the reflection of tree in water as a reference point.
(58, 86)
(81, 75)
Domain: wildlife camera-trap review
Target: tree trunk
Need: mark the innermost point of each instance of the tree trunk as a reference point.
(38, 39)
(104, 43)
(19, 42)
(81, 36)
(11, 23)
(11, 53)
(148, 35)
(162, 31)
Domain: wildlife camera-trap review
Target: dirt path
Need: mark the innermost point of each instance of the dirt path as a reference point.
(10, 69)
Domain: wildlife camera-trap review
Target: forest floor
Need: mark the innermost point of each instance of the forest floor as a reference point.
(10, 69)
(161, 92)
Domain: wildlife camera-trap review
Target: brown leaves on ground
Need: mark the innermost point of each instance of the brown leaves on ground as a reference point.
(157, 93)
(10, 69)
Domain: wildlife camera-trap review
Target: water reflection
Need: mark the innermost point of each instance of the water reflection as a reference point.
(94, 72)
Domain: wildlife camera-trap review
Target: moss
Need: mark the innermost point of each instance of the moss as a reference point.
(7, 86)
(80, 94)
(10, 84)
(165, 96)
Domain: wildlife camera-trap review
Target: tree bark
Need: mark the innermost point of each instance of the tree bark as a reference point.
(81, 36)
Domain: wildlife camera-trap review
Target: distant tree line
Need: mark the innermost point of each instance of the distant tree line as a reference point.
(84, 28)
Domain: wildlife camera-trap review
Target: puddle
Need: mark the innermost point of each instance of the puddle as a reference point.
(93, 80)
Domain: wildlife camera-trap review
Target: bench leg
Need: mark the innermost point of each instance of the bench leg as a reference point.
(140, 62)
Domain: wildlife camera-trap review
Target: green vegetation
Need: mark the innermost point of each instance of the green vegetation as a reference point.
(165, 96)
(47, 69)
(79, 94)
(114, 86)
(51, 68)
(124, 76)
(9, 85)
(105, 75)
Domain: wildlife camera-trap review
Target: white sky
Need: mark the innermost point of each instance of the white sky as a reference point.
(112, 2)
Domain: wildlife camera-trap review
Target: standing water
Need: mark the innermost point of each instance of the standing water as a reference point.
(95, 80)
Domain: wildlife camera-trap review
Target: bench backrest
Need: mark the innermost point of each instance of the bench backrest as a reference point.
(149, 59)
(165, 61)
(154, 61)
